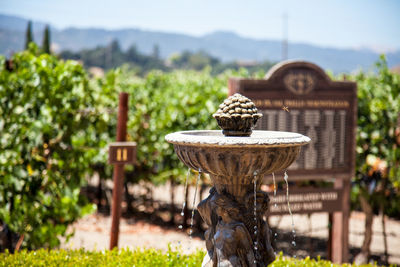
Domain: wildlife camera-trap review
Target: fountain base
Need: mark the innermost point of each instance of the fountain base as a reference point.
(236, 235)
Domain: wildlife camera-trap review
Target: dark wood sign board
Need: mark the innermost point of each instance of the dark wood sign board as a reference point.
(306, 201)
(298, 96)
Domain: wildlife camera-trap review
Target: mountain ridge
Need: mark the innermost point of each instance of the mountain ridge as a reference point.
(225, 45)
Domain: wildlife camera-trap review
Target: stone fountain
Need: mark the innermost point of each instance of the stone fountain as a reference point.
(236, 160)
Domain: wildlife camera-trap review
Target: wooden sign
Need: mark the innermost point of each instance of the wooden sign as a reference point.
(298, 96)
(306, 200)
(122, 153)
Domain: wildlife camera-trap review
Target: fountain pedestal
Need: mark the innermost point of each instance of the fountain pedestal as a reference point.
(237, 234)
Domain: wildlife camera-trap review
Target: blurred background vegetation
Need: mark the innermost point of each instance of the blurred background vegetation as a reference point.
(112, 56)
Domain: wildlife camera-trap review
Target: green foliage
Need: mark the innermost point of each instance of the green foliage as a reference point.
(378, 138)
(282, 261)
(28, 35)
(46, 40)
(123, 257)
(137, 257)
(47, 143)
(162, 103)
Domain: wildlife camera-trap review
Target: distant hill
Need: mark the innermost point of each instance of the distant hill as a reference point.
(226, 46)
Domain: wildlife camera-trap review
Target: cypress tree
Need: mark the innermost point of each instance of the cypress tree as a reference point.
(46, 40)
(28, 37)
(156, 51)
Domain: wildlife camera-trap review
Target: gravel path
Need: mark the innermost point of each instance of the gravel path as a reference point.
(93, 231)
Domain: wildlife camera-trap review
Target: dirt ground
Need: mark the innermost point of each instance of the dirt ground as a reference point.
(93, 231)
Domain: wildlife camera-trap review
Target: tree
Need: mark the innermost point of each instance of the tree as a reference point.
(28, 37)
(197, 61)
(377, 181)
(114, 55)
(46, 40)
(133, 55)
(156, 51)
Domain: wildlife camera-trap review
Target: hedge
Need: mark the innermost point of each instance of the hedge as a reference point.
(136, 258)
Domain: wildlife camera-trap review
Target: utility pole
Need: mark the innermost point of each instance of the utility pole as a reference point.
(284, 36)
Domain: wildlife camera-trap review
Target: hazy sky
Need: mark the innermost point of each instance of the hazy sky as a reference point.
(333, 23)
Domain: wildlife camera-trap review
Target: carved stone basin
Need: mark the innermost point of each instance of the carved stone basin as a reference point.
(233, 161)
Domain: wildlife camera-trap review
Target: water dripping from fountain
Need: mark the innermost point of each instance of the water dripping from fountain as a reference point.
(180, 227)
(273, 179)
(286, 177)
(275, 205)
(194, 203)
(255, 215)
(184, 199)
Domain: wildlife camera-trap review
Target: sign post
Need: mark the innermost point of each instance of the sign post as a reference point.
(120, 153)
(298, 96)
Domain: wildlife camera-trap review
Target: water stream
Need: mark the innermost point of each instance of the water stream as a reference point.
(285, 177)
(194, 204)
(276, 233)
(183, 208)
(273, 179)
(184, 198)
(255, 216)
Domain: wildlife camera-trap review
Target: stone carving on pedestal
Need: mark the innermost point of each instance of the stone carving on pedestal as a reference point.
(230, 235)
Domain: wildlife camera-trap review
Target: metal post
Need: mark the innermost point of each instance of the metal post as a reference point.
(118, 171)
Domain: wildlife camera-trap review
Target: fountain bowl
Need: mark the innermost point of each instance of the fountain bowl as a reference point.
(232, 161)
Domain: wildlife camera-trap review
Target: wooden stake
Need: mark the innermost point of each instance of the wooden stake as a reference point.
(19, 243)
(118, 171)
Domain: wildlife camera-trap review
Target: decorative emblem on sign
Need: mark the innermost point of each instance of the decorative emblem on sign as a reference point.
(299, 82)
